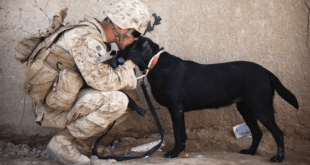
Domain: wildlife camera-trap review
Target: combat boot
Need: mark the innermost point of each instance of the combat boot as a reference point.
(62, 148)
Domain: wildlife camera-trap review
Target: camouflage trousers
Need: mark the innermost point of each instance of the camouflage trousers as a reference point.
(91, 114)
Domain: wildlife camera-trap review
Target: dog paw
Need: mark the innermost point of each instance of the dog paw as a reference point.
(247, 152)
(171, 154)
(277, 158)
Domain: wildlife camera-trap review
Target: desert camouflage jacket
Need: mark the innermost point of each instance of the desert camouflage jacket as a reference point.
(85, 44)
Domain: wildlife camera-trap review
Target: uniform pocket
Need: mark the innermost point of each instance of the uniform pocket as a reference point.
(64, 93)
(37, 80)
(58, 54)
(48, 117)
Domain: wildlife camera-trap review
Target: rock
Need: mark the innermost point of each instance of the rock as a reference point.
(26, 163)
(112, 161)
(16, 148)
(12, 153)
(2, 145)
(115, 143)
(119, 153)
(10, 145)
(94, 157)
(199, 156)
(101, 149)
(42, 155)
(31, 154)
(20, 153)
(25, 148)
(95, 161)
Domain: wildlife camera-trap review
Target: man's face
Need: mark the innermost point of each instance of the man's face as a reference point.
(127, 41)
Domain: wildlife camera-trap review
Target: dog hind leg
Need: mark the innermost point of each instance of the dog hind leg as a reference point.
(270, 124)
(180, 137)
(251, 120)
(262, 108)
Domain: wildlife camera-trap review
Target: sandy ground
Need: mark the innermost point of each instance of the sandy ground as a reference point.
(195, 158)
(209, 146)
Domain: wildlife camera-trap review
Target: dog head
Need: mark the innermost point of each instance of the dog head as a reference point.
(155, 49)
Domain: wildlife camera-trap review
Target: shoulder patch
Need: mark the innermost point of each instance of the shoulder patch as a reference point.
(95, 45)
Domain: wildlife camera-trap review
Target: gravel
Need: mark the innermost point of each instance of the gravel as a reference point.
(20, 150)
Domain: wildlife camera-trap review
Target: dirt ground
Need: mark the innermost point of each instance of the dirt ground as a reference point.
(213, 146)
(195, 158)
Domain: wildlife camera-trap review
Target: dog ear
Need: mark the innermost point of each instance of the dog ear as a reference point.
(155, 47)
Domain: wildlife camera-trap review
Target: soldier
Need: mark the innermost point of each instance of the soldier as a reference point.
(101, 103)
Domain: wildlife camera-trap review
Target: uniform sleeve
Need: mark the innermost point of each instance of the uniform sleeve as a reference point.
(85, 48)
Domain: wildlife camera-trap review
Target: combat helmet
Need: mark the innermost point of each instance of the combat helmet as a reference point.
(127, 14)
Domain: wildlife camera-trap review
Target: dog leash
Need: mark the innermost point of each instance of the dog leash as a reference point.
(148, 153)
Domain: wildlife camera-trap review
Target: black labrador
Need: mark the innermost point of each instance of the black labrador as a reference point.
(183, 86)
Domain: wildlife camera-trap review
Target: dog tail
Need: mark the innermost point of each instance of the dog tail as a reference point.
(283, 92)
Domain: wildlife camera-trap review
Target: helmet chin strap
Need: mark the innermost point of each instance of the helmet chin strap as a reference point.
(121, 36)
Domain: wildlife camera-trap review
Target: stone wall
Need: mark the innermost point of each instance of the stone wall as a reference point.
(272, 33)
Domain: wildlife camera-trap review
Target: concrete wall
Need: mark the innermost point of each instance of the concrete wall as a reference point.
(272, 33)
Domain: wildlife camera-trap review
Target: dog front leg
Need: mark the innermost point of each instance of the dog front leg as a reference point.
(180, 137)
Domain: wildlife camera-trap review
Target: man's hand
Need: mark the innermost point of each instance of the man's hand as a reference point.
(139, 54)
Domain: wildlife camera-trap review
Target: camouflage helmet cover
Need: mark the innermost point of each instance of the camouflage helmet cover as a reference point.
(129, 14)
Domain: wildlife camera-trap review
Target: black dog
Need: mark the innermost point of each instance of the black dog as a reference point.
(182, 86)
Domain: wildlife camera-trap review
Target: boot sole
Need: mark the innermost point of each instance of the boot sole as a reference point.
(51, 152)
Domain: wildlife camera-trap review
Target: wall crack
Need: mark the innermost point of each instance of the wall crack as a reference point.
(307, 2)
(36, 5)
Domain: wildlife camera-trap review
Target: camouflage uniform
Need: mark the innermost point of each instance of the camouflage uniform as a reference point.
(96, 107)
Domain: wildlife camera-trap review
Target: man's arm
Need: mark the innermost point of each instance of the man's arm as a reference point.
(83, 44)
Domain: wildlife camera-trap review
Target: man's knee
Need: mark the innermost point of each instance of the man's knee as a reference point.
(88, 101)
(114, 101)
(114, 106)
(121, 99)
